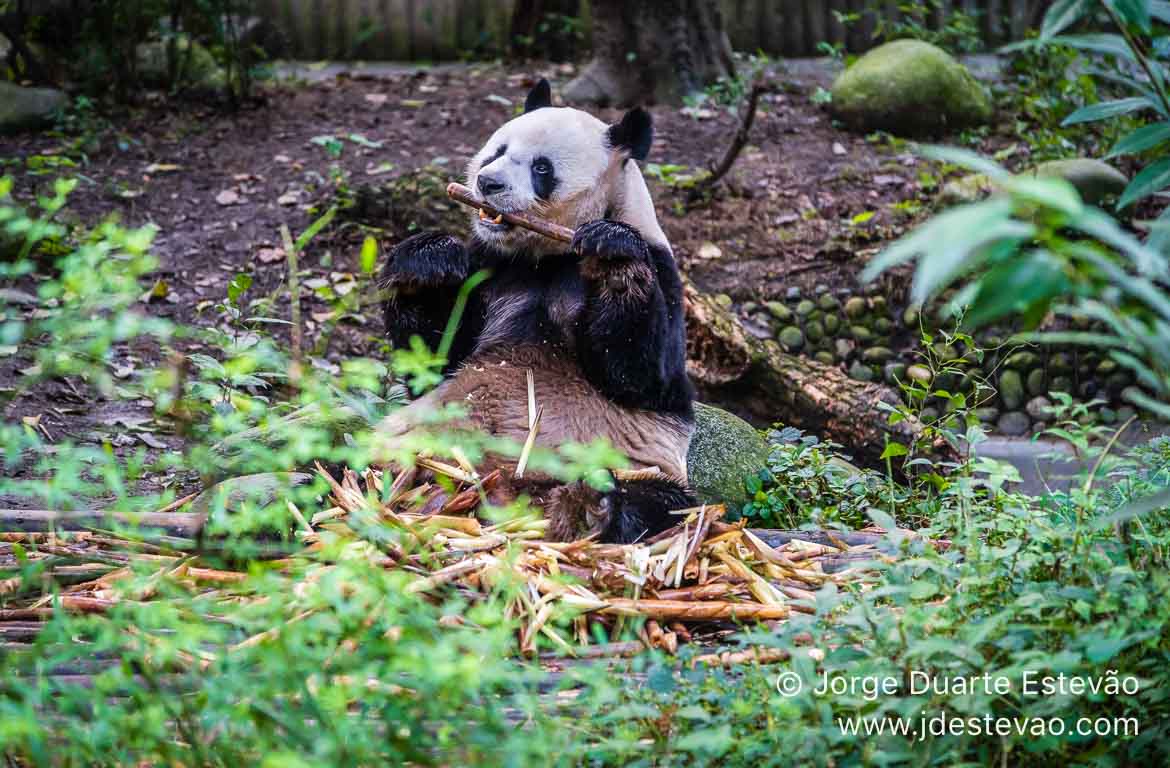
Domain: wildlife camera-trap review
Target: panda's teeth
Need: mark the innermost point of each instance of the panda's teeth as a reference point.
(482, 214)
(499, 219)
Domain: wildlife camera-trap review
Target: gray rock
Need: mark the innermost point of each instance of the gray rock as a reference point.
(910, 317)
(860, 371)
(920, 374)
(832, 324)
(828, 302)
(1011, 389)
(824, 357)
(909, 87)
(814, 331)
(894, 373)
(877, 355)
(1094, 179)
(1061, 384)
(843, 348)
(805, 308)
(724, 451)
(23, 109)
(247, 491)
(987, 414)
(1014, 424)
(791, 338)
(1038, 408)
(793, 293)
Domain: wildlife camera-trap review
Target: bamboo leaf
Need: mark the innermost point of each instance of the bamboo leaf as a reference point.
(1109, 45)
(1062, 15)
(1103, 110)
(1133, 12)
(1153, 178)
(1146, 137)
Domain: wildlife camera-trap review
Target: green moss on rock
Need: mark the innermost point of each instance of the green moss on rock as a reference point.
(724, 451)
(909, 87)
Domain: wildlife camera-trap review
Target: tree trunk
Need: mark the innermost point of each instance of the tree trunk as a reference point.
(653, 51)
(729, 365)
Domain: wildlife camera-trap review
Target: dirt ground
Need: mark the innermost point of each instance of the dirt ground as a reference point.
(219, 185)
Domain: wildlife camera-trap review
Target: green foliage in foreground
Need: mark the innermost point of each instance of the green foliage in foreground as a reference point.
(357, 671)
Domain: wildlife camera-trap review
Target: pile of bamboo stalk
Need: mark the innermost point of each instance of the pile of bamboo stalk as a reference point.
(693, 583)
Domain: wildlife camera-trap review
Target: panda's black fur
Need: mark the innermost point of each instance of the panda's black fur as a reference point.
(609, 307)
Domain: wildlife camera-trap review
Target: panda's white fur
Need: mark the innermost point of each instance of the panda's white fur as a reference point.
(592, 184)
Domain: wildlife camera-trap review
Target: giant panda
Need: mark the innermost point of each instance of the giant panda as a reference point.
(599, 323)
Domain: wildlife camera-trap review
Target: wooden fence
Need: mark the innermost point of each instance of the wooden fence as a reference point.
(450, 30)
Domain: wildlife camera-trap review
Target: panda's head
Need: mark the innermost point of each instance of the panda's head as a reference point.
(563, 165)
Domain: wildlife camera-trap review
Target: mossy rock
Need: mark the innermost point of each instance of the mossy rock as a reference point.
(1011, 389)
(779, 310)
(909, 87)
(791, 338)
(196, 66)
(855, 307)
(27, 108)
(1094, 179)
(724, 451)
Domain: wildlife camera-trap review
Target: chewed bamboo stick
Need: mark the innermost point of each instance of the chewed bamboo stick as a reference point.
(462, 194)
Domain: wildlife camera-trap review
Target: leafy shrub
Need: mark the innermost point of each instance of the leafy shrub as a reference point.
(1139, 50)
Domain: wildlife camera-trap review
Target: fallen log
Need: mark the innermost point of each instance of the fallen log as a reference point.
(728, 364)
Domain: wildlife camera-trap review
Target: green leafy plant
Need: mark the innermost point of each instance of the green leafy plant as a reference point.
(1138, 46)
(1038, 249)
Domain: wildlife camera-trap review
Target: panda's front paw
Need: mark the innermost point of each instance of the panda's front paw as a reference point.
(426, 260)
(605, 240)
(613, 254)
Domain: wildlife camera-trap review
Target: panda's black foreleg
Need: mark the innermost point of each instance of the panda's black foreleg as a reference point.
(631, 511)
(637, 509)
(421, 279)
(631, 343)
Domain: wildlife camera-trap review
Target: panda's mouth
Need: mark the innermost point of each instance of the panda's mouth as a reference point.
(491, 224)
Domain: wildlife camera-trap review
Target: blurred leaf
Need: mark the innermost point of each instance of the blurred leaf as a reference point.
(369, 255)
(965, 158)
(1153, 178)
(1061, 15)
(1146, 137)
(1110, 45)
(1033, 279)
(236, 288)
(1054, 193)
(1133, 12)
(1103, 110)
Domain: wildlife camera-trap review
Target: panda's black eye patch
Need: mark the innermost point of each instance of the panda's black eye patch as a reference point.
(544, 181)
(495, 156)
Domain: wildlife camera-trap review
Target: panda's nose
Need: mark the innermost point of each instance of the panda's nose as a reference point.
(487, 185)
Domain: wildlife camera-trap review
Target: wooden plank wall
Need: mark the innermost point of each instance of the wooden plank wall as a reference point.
(450, 30)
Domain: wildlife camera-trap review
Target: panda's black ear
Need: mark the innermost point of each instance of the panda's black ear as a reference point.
(539, 96)
(633, 134)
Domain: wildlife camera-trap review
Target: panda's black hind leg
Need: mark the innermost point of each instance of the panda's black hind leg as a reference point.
(637, 509)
